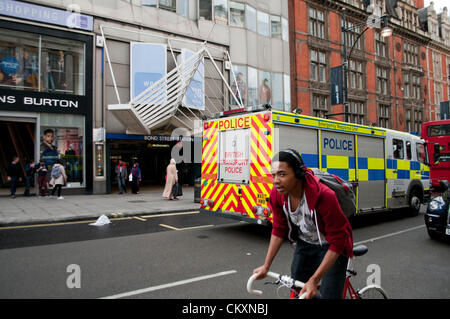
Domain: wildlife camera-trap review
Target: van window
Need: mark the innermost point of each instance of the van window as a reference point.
(408, 150)
(398, 148)
(421, 154)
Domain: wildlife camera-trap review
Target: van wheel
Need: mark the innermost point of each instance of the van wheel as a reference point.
(414, 202)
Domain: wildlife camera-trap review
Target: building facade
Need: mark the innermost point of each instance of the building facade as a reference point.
(250, 48)
(395, 82)
(46, 90)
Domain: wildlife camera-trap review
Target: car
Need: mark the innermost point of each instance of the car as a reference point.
(437, 217)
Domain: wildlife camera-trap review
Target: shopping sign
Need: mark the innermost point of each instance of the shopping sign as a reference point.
(234, 156)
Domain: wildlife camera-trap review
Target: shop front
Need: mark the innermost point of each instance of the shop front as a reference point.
(46, 100)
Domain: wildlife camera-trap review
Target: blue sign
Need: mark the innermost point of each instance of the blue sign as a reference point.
(195, 93)
(336, 85)
(10, 65)
(148, 65)
(66, 18)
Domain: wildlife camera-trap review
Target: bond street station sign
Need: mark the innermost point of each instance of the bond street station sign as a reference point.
(42, 102)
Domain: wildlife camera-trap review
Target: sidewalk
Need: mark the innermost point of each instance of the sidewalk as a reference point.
(34, 210)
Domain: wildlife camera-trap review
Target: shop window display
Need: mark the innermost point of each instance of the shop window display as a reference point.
(41, 63)
(62, 137)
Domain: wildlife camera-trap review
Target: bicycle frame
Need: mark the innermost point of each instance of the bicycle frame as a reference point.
(348, 287)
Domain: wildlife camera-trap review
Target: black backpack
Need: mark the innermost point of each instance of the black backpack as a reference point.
(342, 189)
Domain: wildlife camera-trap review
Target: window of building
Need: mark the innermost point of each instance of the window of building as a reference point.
(239, 84)
(356, 74)
(285, 29)
(250, 17)
(183, 8)
(408, 126)
(316, 23)
(64, 139)
(416, 87)
(398, 147)
(352, 33)
(410, 53)
(275, 26)
(406, 85)
(277, 91)
(320, 105)
(356, 110)
(205, 9)
(436, 65)
(150, 3)
(383, 115)
(237, 14)
(252, 86)
(380, 45)
(263, 23)
(318, 65)
(382, 80)
(221, 11)
(56, 65)
(265, 87)
(170, 5)
(287, 92)
(417, 120)
(437, 93)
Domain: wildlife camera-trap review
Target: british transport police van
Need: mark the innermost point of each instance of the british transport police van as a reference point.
(387, 168)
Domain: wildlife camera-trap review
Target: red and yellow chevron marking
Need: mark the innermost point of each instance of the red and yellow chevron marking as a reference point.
(226, 197)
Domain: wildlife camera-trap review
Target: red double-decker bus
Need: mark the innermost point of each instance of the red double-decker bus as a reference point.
(438, 132)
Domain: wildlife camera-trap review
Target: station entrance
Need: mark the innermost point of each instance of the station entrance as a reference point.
(153, 158)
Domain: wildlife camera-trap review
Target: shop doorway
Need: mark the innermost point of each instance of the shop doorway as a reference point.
(18, 137)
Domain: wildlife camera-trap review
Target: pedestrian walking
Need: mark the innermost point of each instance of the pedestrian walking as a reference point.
(135, 178)
(121, 175)
(42, 171)
(29, 176)
(58, 178)
(14, 175)
(171, 179)
(307, 212)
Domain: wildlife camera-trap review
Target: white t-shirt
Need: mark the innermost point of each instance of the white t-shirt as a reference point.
(304, 219)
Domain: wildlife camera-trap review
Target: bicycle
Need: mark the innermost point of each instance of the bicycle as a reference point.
(367, 292)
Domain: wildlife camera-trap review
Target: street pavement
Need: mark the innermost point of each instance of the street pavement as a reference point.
(32, 210)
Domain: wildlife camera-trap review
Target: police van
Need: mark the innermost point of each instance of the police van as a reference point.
(388, 169)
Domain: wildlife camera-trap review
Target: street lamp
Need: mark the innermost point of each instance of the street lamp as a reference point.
(386, 31)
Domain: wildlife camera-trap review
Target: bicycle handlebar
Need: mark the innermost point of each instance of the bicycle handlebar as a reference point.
(283, 278)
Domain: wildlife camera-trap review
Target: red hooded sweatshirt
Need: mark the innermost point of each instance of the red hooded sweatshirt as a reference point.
(331, 220)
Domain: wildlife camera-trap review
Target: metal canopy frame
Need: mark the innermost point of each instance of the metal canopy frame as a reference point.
(162, 101)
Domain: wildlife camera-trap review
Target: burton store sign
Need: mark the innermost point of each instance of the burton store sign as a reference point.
(42, 102)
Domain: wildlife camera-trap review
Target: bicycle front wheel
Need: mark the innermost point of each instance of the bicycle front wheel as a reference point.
(372, 292)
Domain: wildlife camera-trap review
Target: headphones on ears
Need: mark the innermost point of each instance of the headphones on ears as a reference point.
(299, 170)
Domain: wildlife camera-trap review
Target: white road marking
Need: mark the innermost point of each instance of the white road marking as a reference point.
(169, 285)
(389, 235)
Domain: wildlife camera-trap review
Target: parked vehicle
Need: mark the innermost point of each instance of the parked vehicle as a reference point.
(437, 217)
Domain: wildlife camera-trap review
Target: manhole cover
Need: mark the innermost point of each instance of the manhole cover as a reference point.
(136, 201)
(202, 236)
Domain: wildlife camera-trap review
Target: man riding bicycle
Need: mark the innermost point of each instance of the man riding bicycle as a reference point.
(307, 212)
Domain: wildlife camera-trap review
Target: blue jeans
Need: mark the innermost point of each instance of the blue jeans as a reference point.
(13, 185)
(307, 259)
(122, 184)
